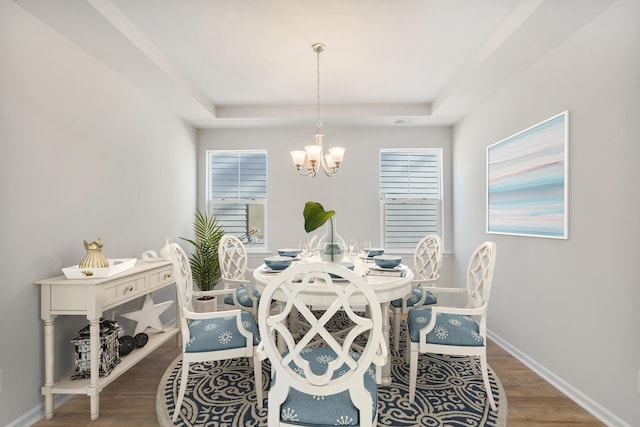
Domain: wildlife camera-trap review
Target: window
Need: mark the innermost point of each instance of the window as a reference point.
(237, 193)
(410, 195)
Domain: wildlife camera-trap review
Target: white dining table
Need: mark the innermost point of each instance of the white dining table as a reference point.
(386, 287)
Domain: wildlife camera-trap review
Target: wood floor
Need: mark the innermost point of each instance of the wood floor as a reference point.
(130, 400)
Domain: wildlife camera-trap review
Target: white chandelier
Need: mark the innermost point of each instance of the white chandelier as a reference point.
(313, 158)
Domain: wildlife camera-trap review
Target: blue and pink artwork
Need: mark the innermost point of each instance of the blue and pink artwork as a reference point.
(527, 181)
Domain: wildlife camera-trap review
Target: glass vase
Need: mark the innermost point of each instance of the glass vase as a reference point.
(331, 246)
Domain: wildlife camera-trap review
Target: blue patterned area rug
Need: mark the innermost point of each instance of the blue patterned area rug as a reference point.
(449, 392)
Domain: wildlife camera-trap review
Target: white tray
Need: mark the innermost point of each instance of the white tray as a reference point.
(115, 266)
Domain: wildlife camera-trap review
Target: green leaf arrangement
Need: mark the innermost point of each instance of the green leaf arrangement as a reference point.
(204, 259)
(315, 216)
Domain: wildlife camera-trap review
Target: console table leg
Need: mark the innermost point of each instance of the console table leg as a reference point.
(94, 402)
(49, 359)
(94, 343)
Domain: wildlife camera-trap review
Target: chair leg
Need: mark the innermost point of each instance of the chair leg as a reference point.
(407, 345)
(184, 377)
(257, 373)
(485, 378)
(413, 371)
(396, 327)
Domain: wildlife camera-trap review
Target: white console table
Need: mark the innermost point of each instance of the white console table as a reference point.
(90, 297)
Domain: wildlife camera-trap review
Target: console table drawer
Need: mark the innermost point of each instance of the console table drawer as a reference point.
(125, 290)
(161, 277)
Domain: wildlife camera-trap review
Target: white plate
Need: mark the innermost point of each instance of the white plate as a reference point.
(269, 270)
(397, 268)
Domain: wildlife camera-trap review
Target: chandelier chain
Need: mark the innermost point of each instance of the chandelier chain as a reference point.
(318, 121)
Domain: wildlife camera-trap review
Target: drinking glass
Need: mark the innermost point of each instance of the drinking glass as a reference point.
(365, 246)
(352, 246)
(305, 251)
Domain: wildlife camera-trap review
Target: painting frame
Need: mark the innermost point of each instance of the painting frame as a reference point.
(528, 181)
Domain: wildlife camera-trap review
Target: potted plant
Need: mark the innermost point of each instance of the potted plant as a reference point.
(331, 246)
(205, 268)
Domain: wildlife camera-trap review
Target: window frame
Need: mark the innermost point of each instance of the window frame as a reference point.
(263, 201)
(437, 202)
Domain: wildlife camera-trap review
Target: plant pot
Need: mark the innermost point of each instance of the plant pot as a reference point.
(202, 305)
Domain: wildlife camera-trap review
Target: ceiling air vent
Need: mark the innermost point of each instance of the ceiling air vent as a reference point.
(403, 121)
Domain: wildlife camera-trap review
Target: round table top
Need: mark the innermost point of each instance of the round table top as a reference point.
(387, 285)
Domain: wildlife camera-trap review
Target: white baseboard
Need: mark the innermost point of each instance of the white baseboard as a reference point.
(567, 389)
(37, 413)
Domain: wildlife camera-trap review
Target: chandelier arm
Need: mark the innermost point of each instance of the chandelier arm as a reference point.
(323, 164)
(327, 170)
(308, 172)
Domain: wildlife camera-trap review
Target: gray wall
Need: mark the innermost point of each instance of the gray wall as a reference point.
(353, 193)
(569, 308)
(82, 155)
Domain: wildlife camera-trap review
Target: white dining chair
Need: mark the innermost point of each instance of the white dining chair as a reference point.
(233, 259)
(320, 379)
(427, 261)
(453, 330)
(211, 336)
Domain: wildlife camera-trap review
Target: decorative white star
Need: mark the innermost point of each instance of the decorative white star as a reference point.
(148, 315)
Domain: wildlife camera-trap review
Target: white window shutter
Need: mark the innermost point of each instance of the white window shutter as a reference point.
(237, 181)
(410, 182)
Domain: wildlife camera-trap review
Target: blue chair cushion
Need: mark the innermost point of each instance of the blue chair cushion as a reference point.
(450, 329)
(220, 333)
(414, 297)
(243, 296)
(323, 411)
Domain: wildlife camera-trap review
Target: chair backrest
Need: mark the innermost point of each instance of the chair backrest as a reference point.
(480, 274)
(183, 278)
(298, 287)
(427, 258)
(233, 258)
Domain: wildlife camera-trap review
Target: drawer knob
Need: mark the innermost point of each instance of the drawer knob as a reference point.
(129, 288)
(167, 276)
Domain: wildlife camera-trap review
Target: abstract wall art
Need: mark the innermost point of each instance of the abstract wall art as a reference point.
(527, 181)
